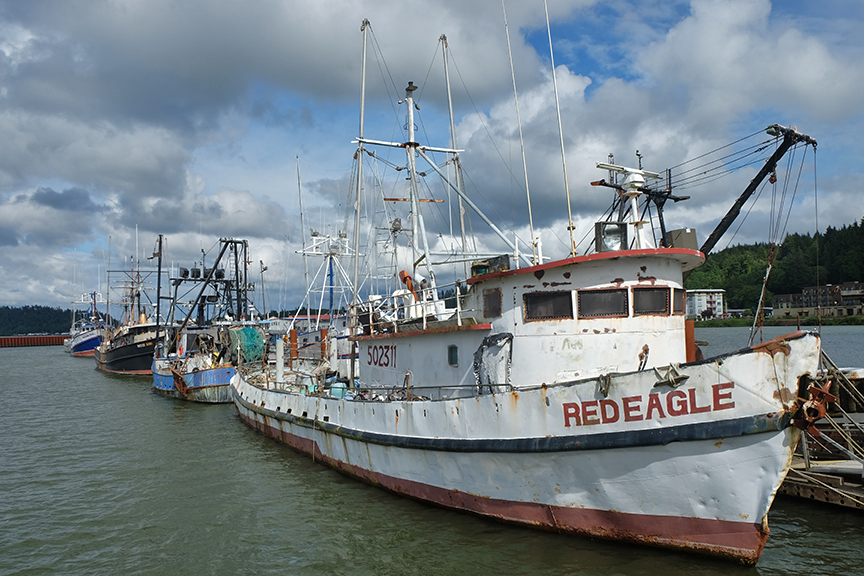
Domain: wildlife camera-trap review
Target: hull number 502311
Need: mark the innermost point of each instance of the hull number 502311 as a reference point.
(383, 356)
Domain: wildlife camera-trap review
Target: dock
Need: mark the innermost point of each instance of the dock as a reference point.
(835, 482)
(829, 462)
(21, 341)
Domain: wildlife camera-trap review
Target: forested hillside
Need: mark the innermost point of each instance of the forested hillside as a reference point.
(34, 319)
(740, 269)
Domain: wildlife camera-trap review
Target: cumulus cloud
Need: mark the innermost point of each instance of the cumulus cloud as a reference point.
(129, 119)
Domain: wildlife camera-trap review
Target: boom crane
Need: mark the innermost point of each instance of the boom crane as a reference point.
(791, 137)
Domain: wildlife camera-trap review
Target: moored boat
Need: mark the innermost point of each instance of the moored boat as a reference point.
(86, 333)
(566, 395)
(198, 371)
(128, 348)
(196, 362)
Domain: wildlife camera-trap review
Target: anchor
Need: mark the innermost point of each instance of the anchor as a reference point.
(673, 376)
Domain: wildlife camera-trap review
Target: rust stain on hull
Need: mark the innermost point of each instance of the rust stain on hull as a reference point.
(740, 542)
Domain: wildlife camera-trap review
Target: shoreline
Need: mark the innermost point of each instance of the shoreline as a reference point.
(804, 321)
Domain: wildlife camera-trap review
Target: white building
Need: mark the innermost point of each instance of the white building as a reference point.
(705, 303)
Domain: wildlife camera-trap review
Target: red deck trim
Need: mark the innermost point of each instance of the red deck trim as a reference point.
(442, 330)
(590, 258)
(740, 541)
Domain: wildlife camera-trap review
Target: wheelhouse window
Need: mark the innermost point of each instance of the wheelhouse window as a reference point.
(602, 303)
(679, 301)
(548, 305)
(653, 301)
(492, 303)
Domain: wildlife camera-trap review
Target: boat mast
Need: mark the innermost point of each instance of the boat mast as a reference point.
(355, 296)
(632, 186)
(521, 140)
(360, 151)
(457, 166)
(158, 284)
(418, 227)
(414, 148)
(108, 289)
(303, 238)
(498, 232)
(561, 134)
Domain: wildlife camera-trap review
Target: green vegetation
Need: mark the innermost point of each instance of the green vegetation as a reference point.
(34, 320)
(740, 270)
(805, 321)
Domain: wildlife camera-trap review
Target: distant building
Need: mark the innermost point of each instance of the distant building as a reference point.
(846, 299)
(705, 303)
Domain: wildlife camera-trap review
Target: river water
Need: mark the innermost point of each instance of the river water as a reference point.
(99, 475)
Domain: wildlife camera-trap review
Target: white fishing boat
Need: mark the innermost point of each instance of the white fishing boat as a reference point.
(564, 395)
(86, 331)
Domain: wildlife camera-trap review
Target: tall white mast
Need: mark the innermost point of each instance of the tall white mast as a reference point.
(561, 134)
(303, 236)
(418, 227)
(363, 28)
(456, 165)
(521, 140)
(360, 151)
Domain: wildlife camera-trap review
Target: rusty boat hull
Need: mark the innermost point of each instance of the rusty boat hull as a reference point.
(693, 467)
(208, 385)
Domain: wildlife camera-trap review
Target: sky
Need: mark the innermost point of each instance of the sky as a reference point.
(199, 120)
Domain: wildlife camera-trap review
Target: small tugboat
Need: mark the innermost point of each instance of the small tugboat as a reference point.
(564, 395)
(197, 364)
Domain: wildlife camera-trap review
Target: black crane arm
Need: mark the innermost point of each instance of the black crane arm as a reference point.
(790, 138)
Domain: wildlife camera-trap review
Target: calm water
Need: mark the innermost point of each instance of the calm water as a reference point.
(98, 475)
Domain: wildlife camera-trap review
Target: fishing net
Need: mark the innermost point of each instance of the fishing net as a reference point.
(251, 343)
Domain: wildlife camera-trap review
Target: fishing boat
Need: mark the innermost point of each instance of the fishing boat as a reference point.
(128, 348)
(196, 362)
(86, 332)
(566, 395)
(201, 368)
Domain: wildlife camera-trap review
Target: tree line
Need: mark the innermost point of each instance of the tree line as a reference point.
(802, 260)
(34, 320)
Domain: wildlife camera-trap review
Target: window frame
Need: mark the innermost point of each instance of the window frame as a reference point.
(623, 291)
(683, 297)
(645, 289)
(492, 292)
(528, 295)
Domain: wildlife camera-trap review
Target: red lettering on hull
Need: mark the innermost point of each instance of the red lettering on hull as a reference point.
(674, 403)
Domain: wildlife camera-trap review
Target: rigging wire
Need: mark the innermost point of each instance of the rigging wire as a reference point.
(497, 151)
(816, 236)
(716, 149)
(728, 164)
